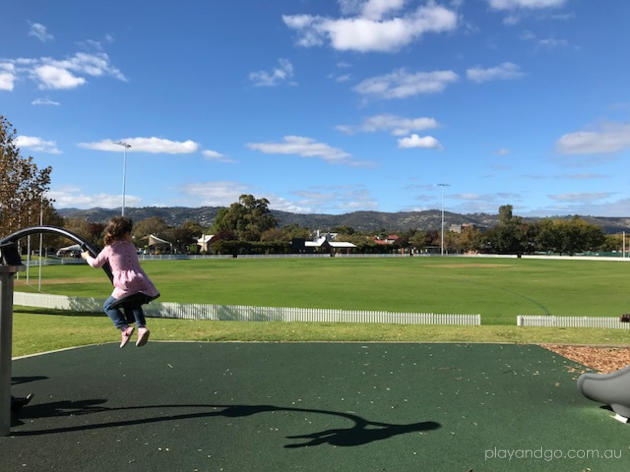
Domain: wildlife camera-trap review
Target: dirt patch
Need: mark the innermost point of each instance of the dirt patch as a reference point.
(602, 359)
(79, 280)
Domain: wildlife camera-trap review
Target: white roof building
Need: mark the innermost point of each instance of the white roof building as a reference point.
(319, 242)
(204, 241)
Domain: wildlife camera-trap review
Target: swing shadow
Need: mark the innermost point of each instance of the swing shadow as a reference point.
(362, 432)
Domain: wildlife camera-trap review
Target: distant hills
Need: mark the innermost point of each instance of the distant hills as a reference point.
(359, 220)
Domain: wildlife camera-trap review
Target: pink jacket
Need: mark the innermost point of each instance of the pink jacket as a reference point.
(128, 275)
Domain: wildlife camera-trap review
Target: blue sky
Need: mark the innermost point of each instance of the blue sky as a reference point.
(326, 106)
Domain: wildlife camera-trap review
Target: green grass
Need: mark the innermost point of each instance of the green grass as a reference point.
(34, 332)
(498, 289)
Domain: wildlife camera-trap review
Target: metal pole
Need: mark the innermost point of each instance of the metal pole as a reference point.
(442, 232)
(41, 244)
(124, 179)
(6, 324)
(28, 260)
(125, 147)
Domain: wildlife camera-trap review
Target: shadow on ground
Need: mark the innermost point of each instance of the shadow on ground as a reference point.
(362, 432)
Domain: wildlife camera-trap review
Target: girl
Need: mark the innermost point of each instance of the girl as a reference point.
(129, 277)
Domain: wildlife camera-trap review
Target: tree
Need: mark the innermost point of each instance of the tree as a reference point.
(152, 225)
(420, 239)
(469, 239)
(92, 232)
(273, 235)
(248, 218)
(184, 236)
(295, 231)
(568, 236)
(343, 229)
(23, 186)
(505, 214)
(510, 235)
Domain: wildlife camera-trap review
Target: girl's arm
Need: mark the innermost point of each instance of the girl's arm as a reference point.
(99, 260)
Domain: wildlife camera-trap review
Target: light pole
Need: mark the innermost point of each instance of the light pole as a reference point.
(125, 147)
(442, 243)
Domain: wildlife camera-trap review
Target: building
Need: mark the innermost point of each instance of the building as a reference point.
(387, 241)
(327, 243)
(204, 242)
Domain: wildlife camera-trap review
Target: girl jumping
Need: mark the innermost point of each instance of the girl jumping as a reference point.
(129, 278)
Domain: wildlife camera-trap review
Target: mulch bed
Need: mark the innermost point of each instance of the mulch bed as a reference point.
(601, 359)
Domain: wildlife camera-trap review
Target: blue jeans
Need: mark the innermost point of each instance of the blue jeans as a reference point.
(131, 314)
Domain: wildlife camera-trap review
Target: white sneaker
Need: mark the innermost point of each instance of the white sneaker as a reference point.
(126, 335)
(143, 337)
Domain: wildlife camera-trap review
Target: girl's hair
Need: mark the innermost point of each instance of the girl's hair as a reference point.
(117, 228)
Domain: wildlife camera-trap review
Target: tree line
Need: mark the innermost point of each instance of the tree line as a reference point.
(247, 226)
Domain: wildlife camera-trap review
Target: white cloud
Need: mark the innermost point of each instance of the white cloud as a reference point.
(504, 71)
(73, 197)
(415, 141)
(335, 199)
(45, 101)
(66, 73)
(7, 79)
(377, 9)
(96, 65)
(503, 152)
(527, 4)
(580, 197)
(400, 84)
(396, 125)
(219, 193)
(282, 73)
(211, 155)
(52, 77)
(467, 196)
(90, 44)
(546, 43)
(37, 144)
(282, 204)
(343, 78)
(611, 137)
(553, 43)
(614, 208)
(583, 176)
(153, 145)
(304, 147)
(39, 31)
(373, 28)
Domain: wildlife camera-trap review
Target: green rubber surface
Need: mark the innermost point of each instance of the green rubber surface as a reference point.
(308, 407)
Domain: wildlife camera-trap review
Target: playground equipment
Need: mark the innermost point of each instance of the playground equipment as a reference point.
(612, 389)
(10, 264)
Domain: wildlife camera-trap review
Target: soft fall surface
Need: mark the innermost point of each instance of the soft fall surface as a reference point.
(309, 407)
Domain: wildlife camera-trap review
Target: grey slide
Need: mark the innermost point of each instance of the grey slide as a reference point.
(612, 389)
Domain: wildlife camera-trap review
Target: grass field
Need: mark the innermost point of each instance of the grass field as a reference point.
(34, 332)
(498, 289)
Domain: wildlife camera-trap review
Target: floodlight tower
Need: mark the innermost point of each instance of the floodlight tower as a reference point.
(125, 147)
(442, 232)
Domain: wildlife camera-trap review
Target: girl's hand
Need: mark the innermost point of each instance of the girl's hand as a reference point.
(85, 255)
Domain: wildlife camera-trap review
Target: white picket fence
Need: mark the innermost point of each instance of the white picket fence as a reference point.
(194, 311)
(571, 321)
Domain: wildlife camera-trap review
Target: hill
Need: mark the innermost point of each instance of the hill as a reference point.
(359, 220)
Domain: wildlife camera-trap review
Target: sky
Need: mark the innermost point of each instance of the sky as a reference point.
(325, 106)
